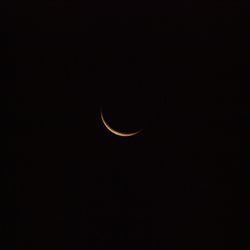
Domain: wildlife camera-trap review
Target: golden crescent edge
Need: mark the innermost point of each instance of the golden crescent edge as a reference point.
(117, 132)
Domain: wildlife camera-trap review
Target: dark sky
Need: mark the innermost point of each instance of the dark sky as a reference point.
(176, 75)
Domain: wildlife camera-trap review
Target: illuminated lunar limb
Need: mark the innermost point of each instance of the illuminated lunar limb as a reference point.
(115, 132)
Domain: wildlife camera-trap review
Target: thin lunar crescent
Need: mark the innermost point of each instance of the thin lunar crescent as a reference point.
(117, 132)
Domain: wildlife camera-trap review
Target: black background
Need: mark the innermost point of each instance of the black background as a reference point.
(176, 73)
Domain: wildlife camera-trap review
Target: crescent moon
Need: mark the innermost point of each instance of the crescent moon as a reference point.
(115, 131)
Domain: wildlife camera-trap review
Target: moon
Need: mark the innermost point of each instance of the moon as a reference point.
(115, 132)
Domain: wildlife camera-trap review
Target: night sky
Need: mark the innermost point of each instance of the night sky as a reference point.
(176, 75)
